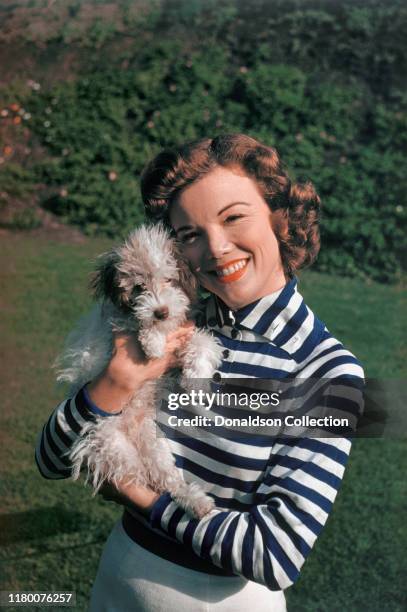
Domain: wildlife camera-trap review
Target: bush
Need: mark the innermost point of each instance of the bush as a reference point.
(322, 83)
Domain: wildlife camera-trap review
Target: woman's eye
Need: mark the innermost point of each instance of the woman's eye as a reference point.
(188, 238)
(232, 218)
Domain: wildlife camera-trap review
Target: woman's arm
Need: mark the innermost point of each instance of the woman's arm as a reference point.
(105, 396)
(270, 542)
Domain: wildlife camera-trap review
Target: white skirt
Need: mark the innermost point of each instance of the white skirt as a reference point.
(132, 578)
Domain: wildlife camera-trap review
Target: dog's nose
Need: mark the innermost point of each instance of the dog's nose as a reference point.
(161, 313)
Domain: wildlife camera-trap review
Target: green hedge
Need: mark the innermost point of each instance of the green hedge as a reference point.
(322, 83)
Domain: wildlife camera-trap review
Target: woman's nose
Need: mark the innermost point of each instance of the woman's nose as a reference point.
(218, 244)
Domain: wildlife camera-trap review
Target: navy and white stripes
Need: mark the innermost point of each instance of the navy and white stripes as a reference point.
(273, 496)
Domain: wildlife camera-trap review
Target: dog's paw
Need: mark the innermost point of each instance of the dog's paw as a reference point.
(203, 356)
(196, 502)
(202, 506)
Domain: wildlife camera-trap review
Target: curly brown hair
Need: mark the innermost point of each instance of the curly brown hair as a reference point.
(295, 206)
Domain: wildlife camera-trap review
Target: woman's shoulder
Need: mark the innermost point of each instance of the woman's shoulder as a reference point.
(329, 357)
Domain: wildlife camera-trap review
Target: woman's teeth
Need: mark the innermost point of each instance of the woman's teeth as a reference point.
(233, 268)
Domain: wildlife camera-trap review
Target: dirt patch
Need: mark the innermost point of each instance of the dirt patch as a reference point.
(50, 228)
(51, 41)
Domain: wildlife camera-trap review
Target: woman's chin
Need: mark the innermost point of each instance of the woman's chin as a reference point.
(236, 294)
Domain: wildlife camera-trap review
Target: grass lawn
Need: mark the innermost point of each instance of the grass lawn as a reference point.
(52, 532)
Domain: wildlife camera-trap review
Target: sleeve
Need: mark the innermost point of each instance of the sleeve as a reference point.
(60, 432)
(269, 543)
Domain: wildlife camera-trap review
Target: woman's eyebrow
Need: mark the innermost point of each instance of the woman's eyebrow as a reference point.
(230, 206)
(183, 228)
(188, 227)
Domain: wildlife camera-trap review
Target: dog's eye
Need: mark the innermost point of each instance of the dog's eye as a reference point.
(137, 291)
(166, 281)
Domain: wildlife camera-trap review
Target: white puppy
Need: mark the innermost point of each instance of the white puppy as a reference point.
(146, 288)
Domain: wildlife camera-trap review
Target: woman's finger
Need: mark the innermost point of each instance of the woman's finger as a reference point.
(129, 346)
(178, 342)
(184, 330)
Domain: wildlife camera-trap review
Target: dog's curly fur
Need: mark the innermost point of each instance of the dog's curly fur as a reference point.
(144, 286)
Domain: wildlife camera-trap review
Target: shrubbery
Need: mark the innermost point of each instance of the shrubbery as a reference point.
(308, 81)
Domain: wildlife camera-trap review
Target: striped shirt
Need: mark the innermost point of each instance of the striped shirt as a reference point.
(273, 495)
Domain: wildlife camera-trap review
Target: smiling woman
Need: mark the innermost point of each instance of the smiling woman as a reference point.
(231, 246)
(240, 181)
(245, 229)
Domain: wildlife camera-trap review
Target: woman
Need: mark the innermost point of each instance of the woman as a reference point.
(245, 229)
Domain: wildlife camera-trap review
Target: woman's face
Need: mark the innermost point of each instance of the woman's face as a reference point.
(224, 226)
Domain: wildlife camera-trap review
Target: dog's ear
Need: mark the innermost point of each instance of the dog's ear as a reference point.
(105, 282)
(187, 280)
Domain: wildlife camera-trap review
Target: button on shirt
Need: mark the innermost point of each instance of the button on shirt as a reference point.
(274, 336)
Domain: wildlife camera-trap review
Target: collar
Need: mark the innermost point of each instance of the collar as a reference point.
(281, 317)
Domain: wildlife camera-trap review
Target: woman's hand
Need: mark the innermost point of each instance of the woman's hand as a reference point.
(129, 368)
(132, 496)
